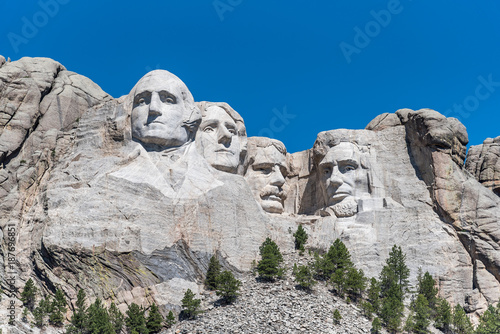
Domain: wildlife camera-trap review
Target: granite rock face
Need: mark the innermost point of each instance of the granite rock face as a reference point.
(483, 162)
(129, 198)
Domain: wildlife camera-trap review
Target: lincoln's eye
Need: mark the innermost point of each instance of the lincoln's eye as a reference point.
(327, 170)
(263, 170)
(349, 168)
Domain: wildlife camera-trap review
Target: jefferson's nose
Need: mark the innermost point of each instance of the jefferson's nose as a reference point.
(155, 105)
(224, 136)
(277, 178)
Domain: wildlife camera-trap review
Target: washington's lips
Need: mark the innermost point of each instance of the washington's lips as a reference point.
(224, 150)
(339, 195)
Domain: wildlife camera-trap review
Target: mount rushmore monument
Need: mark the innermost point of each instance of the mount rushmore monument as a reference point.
(128, 198)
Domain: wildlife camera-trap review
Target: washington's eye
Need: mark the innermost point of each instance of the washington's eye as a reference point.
(166, 97)
(141, 101)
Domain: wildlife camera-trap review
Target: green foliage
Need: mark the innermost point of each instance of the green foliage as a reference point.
(355, 282)
(79, 317)
(154, 322)
(376, 326)
(300, 238)
(190, 305)
(489, 322)
(269, 267)
(422, 314)
(443, 316)
(135, 320)
(227, 286)
(374, 295)
(461, 322)
(41, 311)
(57, 309)
(97, 319)
(344, 277)
(24, 316)
(116, 318)
(303, 276)
(427, 287)
(212, 273)
(336, 316)
(337, 257)
(393, 287)
(170, 320)
(367, 308)
(28, 295)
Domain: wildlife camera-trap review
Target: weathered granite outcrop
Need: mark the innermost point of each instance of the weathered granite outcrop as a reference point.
(483, 162)
(130, 216)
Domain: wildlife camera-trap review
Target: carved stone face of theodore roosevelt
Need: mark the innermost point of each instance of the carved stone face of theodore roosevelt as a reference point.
(265, 172)
(343, 179)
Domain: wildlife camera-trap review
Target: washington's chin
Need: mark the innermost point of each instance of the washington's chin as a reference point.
(160, 136)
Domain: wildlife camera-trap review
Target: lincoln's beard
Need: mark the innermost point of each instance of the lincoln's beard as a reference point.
(348, 207)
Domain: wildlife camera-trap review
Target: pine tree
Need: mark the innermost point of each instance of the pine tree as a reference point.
(170, 320)
(300, 239)
(78, 319)
(116, 318)
(376, 326)
(269, 266)
(28, 295)
(427, 287)
(336, 316)
(489, 322)
(393, 287)
(154, 322)
(58, 309)
(303, 276)
(461, 322)
(355, 282)
(374, 295)
(40, 312)
(190, 305)
(422, 314)
(213, 271)
(135, 320)
(97, 319)
(24, 316)
(443, 315)
(337, 257)
(227, 287)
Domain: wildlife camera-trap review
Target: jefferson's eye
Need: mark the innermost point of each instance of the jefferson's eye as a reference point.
(208, 129)
(232, 131)
(263, 170)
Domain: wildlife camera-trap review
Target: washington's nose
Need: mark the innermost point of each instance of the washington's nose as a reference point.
(154, 106)
(277, 178)
(224, 136)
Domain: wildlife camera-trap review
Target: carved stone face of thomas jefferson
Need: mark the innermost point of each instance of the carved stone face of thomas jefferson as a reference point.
(265, 173)
(163, 110)
(218, 141)
(343, 178)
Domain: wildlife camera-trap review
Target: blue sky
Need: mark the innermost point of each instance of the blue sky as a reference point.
(291, 69)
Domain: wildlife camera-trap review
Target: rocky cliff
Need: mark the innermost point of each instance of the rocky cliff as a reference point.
(129, 198)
